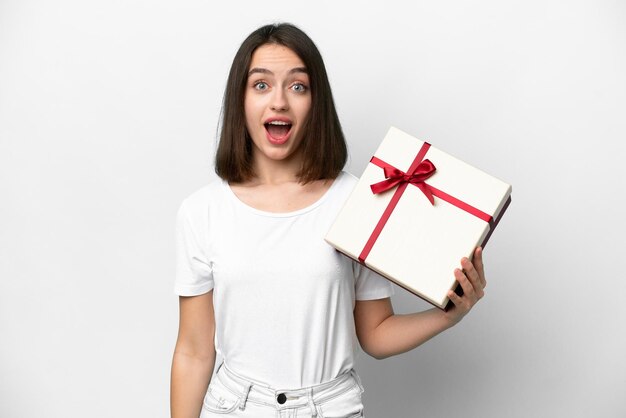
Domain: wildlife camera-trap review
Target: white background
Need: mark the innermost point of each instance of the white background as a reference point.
(108, 119)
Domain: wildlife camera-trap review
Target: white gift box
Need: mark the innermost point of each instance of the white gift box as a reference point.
(418, 244)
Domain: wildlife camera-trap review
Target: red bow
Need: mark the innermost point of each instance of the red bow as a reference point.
(424, 170)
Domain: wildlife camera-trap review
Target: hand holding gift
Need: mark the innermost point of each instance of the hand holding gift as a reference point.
(472, 281)
(383, 333)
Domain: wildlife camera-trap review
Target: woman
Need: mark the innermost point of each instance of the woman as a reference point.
(256, 280)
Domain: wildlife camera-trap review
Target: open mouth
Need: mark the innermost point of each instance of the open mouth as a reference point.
(278, 130)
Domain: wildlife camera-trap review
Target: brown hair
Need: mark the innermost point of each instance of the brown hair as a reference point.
(323, 145)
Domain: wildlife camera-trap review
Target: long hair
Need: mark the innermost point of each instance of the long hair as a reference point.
(323, 144)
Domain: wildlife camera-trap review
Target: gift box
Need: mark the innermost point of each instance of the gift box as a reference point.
(415, 212)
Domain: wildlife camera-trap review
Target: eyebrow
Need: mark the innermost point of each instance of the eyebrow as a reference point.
(266, 71)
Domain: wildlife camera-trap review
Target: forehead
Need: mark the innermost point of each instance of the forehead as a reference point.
(276, 58)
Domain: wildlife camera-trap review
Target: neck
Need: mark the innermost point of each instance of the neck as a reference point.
(270, 171)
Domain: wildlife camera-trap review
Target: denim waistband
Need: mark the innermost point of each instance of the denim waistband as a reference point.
(259, 392)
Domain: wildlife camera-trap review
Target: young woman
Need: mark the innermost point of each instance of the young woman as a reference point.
(256, 280)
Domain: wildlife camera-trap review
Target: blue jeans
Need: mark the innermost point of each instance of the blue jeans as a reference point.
(232, 395)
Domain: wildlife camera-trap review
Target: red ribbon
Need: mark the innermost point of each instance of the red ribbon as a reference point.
(419, 171)
(394, 177)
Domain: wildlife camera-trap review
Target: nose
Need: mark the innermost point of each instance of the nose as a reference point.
(279, 101)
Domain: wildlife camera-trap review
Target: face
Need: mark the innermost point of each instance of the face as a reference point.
(277, 102)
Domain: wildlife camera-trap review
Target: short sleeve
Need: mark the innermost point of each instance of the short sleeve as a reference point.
(194, 275)
(370, 285)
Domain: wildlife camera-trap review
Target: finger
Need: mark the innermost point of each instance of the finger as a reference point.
(469, 270)
(456, 299)
(472, 275)
(468, 288)
(479, 266)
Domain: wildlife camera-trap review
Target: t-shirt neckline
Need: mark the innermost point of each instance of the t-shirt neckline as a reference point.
(301, 211)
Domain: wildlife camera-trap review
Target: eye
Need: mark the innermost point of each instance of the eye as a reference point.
(261, 85)
(299, 88)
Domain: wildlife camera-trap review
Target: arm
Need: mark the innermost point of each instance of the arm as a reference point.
(194, 356)
(383, 334)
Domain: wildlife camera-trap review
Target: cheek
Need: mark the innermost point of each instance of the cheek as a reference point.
(249, 112)
(304, 107)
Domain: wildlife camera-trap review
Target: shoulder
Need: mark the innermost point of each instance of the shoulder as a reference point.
(341, 189)
(346, 182)
(201, 199)
(348, 177)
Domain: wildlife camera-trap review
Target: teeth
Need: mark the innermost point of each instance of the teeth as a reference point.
(278, 122)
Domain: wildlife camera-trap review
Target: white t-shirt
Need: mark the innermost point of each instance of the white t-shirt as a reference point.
(283, 297)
